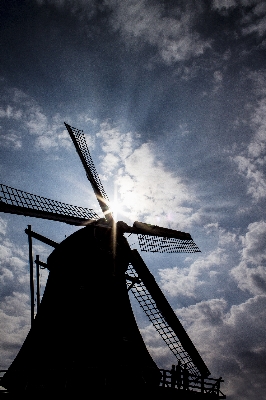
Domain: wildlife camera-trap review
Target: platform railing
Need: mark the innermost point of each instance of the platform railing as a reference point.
(184, 382)
(194, 383)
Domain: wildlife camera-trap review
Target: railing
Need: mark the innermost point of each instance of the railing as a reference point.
(170, 379)
(189, 382)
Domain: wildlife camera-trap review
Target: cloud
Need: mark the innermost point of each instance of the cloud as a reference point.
(149, 191)
(11, 139)
(14, 306)
(250, 274)
(252, 16)
(254, 243)
(157, 348)
(173, 35)
(231, 343)
(185, 281)
(223, 4)
(12, 265)
(251, 161)
(14, 296)
(255, 20)
(14, 325)
(146, 190)
(256, 179)
(116, 145)
(229, 337)
(3, 226)
(236, 262)
(203, 277)
(20, 115)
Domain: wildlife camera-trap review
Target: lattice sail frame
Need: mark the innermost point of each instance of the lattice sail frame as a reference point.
(82, 144)
(148, 305)
(156, 244)
(19, 198)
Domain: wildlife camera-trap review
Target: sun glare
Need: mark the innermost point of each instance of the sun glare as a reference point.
(114, 206)
(114, 209)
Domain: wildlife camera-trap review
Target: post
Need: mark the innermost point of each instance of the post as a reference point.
(173, 376)
(31, 275)
(164, 378)
(202, 384)
(38, 281)
(218, 385)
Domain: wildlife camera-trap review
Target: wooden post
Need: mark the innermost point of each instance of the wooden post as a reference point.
(38, 281)
(31, 275)
(164, 377)
(202, 385)
(218, 385)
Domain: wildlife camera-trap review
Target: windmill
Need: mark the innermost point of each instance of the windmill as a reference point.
(85, 332)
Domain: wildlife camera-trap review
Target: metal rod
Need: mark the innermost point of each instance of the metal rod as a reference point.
(31, 275)
(38, 281)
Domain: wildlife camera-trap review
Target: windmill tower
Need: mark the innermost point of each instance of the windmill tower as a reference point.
(85, 335)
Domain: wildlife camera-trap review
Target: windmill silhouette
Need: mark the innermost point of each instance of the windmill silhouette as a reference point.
(85, 333)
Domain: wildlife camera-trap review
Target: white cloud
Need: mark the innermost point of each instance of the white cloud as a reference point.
(14, 326)
(218, 76)
(12, 258)
(255, 20)
(11, 140)
(250, 274)
(174, 36)
(14, 307)
(203, 277)
(116, 145)
(3, 226)
(254, 250)
(252, 17)
(251, 161)
(14, 298)
(151, 192)
(157, 348)
(223, 4)
(232, 343)
(249, 168)
(10, 113)
(146, 190)
(229, 337)
(184, 281)
(19, 107)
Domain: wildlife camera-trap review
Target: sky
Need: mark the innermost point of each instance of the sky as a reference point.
(171, 96)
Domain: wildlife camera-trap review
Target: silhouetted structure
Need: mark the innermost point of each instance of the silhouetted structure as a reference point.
(85, 335)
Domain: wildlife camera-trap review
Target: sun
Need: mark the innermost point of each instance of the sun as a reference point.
(115, 208)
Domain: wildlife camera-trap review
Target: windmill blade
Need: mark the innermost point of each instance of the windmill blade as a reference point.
(16, 201)
(156, 244)
(160, 313)
(154, 238)
(80, 144)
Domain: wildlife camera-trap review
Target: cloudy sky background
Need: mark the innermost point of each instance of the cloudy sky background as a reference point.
(172, 98)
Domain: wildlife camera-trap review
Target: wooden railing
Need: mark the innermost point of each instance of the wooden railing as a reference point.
(184, 381)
